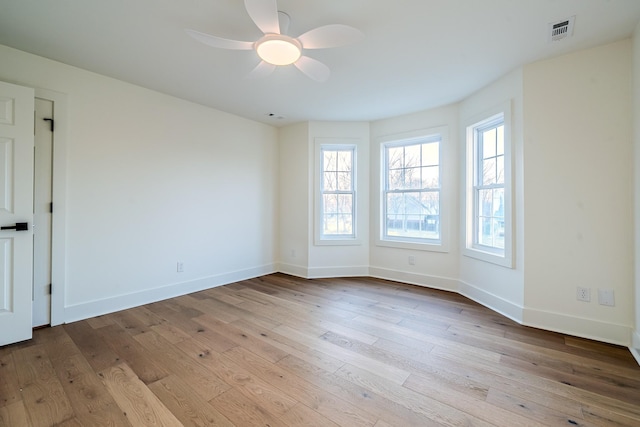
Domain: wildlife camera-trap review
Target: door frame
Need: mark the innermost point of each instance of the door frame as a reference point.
(59, 197)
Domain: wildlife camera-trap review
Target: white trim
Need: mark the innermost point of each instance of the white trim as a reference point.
(427, 281)
(337, 144)
(505, 259)
(293, 270)
(492, 302)
(586, 328)
(58, 230)
(342, 271)
(445, 193)
(122, 302)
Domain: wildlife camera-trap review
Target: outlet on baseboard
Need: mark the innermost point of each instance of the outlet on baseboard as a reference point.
(180, 267)
(412, 260)
(583, 294)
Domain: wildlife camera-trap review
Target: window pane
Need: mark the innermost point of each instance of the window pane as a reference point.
(500, 170)
(485, 201)
(345, 203)
(345, 161)
(498, 203)
(329, 224)
(412, 156)
(344, 181)
(395, 203)
(485, 233)
(430, 154)
(330, 203)
(412, 178)
(345, 225)
(500, 140)
(489, 143)
(413, 214)
(329, 182)
(430, 201)
(488, 171)
(395, 179)
(329, 160)
(395, 157)
(431, 177)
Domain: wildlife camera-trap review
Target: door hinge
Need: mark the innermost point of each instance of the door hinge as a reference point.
(51, 207)
(50, 123)
(49, 289)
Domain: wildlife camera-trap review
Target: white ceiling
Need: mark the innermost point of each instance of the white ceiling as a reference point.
(416, 54)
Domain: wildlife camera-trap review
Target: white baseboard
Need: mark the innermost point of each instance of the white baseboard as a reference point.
(322, 272)
(122, 302)
(435, 282)
(586, 328)
(491, 301)
(293, 270)
(352, 271)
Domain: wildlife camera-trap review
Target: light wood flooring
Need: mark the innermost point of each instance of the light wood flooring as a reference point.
(281, 351)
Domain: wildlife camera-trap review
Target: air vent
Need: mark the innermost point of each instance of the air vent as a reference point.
(561, 29)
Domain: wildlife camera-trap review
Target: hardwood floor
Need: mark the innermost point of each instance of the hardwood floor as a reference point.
(282, 351)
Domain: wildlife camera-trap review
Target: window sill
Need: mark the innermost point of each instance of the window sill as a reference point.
(400, 244)
(337, 242)
(503, 260)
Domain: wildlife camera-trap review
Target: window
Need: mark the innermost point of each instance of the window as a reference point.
(338, 195)
(488, 188)
(411, 190)
(488, 204)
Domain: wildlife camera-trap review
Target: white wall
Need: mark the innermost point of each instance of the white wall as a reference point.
(636, 168)
(495, 286)
(300, 254)
(578, 206)
(434, 269)
(294, 200)
(152, 180)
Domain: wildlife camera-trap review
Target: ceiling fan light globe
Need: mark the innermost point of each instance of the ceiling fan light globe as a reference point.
(277, 49)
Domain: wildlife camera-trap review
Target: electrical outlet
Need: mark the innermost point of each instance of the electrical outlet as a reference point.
(583, 294)
(180, 267)
(606, 297)
(293, 253)
(412, 260)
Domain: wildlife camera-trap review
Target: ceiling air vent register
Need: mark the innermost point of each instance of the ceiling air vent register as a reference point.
(561, 29)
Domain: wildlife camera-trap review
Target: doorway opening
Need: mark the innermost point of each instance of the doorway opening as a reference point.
(42, 211)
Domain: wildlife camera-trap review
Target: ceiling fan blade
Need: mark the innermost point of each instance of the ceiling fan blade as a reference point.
(265, 15)
(262, 70)
(219, 41)
(330, 36)
(314, 69)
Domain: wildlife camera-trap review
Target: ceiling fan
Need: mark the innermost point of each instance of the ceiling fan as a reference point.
(276, 48)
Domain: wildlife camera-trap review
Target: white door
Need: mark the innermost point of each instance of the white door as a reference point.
(42, 215)
(16, 208)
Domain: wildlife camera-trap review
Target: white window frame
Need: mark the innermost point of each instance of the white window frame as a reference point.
(472, 248)
(439, 134)
(335, 239)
